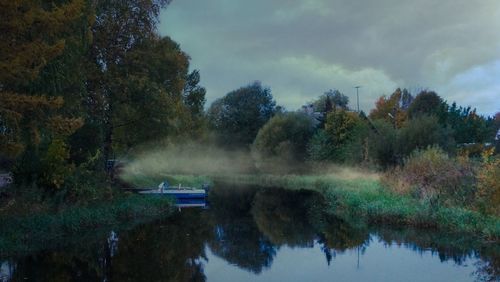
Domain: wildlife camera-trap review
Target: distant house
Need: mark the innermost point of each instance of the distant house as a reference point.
(317, 117)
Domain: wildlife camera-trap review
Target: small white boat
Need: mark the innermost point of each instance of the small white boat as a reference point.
(178, 192)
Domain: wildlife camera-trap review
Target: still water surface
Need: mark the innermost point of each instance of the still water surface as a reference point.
(256, 234)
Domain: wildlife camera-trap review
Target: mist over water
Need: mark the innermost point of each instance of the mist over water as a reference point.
(193, 158)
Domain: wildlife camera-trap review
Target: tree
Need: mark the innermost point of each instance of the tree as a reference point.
(238, 116)
(330, 100)
(119, 27)
(283, 138)
(427, 103)
(152, 104)
(383, 144)
(393, 109)
(32, 36)
(342, 140)
(468, 126)
(339, 126)
(347, 132)
(320, 147)
(422, 132)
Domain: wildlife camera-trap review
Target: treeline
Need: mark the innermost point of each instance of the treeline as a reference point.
(439, 153)
(82, 82)
(327, 130)
(85, 82)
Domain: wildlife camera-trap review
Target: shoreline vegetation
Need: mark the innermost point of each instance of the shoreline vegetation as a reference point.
(35, 231)
(358, 199)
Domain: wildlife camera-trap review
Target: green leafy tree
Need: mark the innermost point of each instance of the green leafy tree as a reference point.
(383, 144)
(120, 27)
(320, 147)
(343, 139)
(238, 116)
(468, 126)
(330, 100)
(152, 104)
(424, 131)
(283, 137)
(427, 103)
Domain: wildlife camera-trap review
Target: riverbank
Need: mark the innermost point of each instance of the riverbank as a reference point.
(363, 199)
(25, 234)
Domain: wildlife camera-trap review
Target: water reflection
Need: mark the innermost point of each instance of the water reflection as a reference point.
(254, 231)
(7, 270)
(237, 238)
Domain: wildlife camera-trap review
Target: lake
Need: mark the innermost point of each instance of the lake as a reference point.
(246, 233)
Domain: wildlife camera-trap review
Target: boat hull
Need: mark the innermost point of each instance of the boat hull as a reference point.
(178, 194)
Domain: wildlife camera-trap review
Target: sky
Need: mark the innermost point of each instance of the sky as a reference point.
(302, 48)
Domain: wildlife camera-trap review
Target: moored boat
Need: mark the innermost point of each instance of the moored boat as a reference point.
(178, 192)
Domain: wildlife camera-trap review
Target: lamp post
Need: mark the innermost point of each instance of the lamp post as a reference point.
(357, 95)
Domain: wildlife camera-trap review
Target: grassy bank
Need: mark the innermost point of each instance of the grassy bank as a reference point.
(21, 235)
(365, 199)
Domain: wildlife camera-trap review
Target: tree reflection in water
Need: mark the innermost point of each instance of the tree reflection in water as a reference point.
(246, 226)
(237, 238)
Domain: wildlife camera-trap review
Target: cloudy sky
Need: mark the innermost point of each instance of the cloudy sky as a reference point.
(301, 48)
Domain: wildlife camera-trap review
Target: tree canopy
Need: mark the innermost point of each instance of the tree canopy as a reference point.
(284, 136)
(239, 115)
(329, 100)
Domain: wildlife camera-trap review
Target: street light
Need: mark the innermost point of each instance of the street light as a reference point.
(357, 95)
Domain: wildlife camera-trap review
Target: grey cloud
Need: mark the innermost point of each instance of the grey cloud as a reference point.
(417, 43)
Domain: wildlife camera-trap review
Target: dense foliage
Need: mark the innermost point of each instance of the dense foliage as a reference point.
(82, 82)
(284, 137)
(237, 117)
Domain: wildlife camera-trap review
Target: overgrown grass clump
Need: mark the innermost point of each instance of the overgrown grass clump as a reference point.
(432, 176)
(435, 178)
(24, 234)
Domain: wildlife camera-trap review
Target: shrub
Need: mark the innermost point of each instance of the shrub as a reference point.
(283, 139)
(383, 144)
(321, 148)
(432, 176)
(488, 184)
(424, 131)
(54, 165)
(343, 140)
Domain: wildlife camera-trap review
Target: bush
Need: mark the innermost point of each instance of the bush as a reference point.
(343, 140)
(430, 175)
(383, 144)
(282, 140)
(320, 147)
(54, 165)
(424, 131)
(488, 184)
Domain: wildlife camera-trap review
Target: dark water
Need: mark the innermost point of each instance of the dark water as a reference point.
(252, 234)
